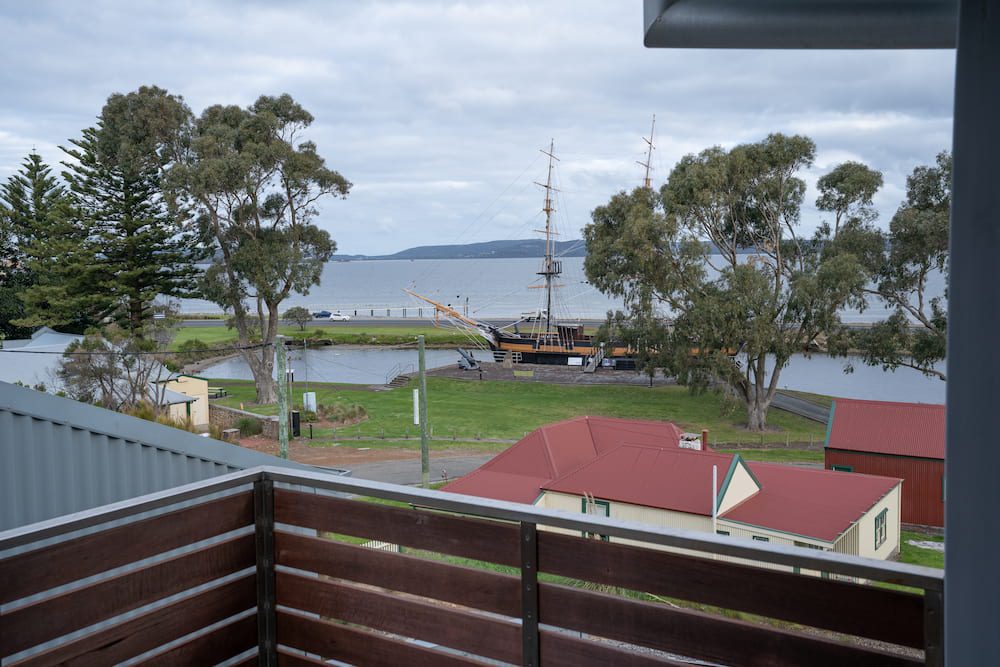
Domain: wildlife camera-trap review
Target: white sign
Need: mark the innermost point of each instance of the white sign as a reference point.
(416, 407)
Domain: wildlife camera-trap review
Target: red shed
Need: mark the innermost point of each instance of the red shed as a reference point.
(903, 440)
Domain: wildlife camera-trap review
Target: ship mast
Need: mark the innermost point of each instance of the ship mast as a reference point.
(649, 155)
(552, 267)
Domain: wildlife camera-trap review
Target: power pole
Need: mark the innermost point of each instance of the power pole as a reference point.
(646, 182)
(425, 455)
(279, 351)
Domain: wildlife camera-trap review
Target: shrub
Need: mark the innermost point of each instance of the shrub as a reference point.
(193, 345)
(249, 426)
(308, 416)
(339, 412)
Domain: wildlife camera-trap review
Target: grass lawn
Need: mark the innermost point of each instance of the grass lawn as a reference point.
(336, 331)
(471, 410)
(917, 556)
(778, 455)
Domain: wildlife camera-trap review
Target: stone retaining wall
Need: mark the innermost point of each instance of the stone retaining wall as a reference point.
(223, 417)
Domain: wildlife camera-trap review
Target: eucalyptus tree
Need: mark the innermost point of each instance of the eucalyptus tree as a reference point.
(719, 247)
(847, 192)
(905, 267)
(253, 184)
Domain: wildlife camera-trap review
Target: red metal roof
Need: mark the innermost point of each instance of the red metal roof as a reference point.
(640, 463)
(554, 450)
(820, 504)
(900, 429)
(672, 479)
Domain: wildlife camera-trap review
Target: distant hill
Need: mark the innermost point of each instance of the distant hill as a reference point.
(486, 250)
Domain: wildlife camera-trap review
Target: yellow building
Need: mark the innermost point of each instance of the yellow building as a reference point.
(193, 387)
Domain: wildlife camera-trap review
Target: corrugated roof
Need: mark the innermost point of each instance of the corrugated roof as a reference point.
(640, 463)
(901, 429)
(555, 450)
(813, 503)
(672, 479)
(58, 456)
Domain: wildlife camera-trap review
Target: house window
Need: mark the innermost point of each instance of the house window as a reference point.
(880, 521)
(597, 508)
(841, 469)
(759, 538)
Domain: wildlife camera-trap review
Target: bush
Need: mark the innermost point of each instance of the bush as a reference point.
(249, 426)
(193, 345)
(339, 412)
(308, 416)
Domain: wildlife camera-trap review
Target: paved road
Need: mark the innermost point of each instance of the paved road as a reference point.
(800, 407)
(408, 471)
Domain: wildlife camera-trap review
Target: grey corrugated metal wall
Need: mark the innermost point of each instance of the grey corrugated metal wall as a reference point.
(58, 456)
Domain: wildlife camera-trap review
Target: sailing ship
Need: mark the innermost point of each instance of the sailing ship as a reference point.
(555, 342)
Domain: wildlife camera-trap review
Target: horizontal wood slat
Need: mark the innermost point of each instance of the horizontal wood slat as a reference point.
(289, 658)
(41, 569)
(359, 647)
(153, 628)
(58, 615)
(866, 611)
(464, 630)
(471, 538)
(561, 650)
(222, 643)
(696, 634)
(480, 589)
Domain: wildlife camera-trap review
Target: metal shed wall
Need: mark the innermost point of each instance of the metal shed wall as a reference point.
(59, 456)
(923, 480)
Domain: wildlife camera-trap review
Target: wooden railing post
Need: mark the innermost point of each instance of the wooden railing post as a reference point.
(933, 628)
(529, 595)
(267, 644)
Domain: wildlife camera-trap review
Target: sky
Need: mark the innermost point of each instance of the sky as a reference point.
(437, 111)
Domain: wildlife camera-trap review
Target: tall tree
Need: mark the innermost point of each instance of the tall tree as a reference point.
(33, 207)
(909, 260)
(718, 245)
(254, 184)
(131, 244)
(847, 192)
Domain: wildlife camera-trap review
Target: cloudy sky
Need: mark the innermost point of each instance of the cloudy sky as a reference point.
(436, 111)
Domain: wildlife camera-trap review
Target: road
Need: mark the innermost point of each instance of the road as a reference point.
(408, 471)
(798, 406)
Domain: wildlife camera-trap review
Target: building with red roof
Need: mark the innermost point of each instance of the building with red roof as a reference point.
(904, 440)
(649, 472)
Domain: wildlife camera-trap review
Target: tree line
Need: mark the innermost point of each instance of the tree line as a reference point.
(719, 245)
(148, 193)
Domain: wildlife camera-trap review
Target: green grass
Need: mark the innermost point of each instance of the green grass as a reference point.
(917, 556)
(337, 332)
(778, 455)
(469, 410)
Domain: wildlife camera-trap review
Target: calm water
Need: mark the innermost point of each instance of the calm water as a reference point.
(817, 373)
(491, 288)
(352, 366)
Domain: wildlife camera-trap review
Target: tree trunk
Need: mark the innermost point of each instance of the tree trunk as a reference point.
(756, 415)
(261, 363)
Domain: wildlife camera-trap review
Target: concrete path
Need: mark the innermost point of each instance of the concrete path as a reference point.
(408, 471)
(800, 407)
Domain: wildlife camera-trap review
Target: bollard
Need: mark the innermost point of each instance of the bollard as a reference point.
(310, 431)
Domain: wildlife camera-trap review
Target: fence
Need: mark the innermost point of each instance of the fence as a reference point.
(256, 583)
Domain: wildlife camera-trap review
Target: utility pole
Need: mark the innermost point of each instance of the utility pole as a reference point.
(425, 455)
(646, 182)
(279, 351)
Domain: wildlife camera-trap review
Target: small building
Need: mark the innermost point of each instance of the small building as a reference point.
(649, 472)
(904, 440)
(195, 389)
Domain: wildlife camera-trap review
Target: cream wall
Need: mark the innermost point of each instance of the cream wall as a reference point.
(195, 388)
(741, 486)
(866, 527)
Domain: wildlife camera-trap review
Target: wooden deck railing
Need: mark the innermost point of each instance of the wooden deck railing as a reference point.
(267, 567)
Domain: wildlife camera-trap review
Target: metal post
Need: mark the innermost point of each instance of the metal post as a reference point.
(267, 644)
(529, 594)
(972, 614)
(425, 456)
(279, 346)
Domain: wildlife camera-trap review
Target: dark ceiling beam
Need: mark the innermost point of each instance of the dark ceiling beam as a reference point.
(801, 24)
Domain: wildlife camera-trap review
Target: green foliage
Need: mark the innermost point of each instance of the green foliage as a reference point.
(254, 185)
(33, 212)
(847, 192)
(342, 412)
(738, 317)
(299, 315)
(193, 345)
(914, 335)
(127, 243)
(249, 426)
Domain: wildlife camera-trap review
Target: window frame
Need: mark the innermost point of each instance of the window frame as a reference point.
(881, 530)
(606, 504)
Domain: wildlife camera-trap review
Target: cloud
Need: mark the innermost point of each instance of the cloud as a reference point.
(436, 110)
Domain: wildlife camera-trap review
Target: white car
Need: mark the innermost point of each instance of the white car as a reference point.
(338, 316)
